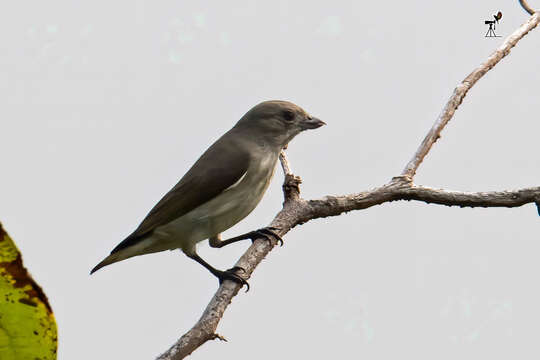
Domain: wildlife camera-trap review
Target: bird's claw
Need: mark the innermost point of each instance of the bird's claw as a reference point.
(231, 275)
(266, 232)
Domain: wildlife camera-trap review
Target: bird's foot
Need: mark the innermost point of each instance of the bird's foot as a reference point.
(231, 274)
(268, 233)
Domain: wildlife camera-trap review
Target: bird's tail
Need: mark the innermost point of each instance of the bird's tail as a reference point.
(114, 257)
(121, 253)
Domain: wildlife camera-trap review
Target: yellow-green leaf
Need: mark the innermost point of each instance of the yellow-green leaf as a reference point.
(27, 326)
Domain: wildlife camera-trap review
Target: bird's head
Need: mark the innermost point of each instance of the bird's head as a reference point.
(277, 122)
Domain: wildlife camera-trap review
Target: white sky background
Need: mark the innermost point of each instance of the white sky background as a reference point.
(104, 105)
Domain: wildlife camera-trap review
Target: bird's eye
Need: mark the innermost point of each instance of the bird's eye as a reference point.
(288, 115)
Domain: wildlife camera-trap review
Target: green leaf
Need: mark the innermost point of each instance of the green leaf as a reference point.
(27, 326)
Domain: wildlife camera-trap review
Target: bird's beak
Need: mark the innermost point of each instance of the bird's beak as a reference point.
(312, 122)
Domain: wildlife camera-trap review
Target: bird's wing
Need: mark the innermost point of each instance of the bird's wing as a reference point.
(222, 165)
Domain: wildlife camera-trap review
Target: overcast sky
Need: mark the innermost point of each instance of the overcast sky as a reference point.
(104, 105)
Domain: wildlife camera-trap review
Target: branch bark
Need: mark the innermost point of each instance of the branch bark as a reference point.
(297, 211)
(527, 7)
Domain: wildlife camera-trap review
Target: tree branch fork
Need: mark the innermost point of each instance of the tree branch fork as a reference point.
(297, 210)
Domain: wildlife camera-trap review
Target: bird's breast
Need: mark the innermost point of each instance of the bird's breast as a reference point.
(238, 200)
(223, 211)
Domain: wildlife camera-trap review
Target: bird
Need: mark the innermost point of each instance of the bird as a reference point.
(223, 186)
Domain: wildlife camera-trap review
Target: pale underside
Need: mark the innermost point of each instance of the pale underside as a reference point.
(211, 218)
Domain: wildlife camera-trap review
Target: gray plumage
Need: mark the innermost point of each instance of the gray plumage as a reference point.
(223, 186)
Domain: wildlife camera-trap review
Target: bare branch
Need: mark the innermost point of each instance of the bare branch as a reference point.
(336, 205)
(461, 90)
(285, 163)
(298, 211)
(205, 328)
(507, 199)
(527, 7)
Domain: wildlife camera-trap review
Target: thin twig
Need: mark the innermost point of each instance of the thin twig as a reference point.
(461, 90)
(285, 163)
(527, 7)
